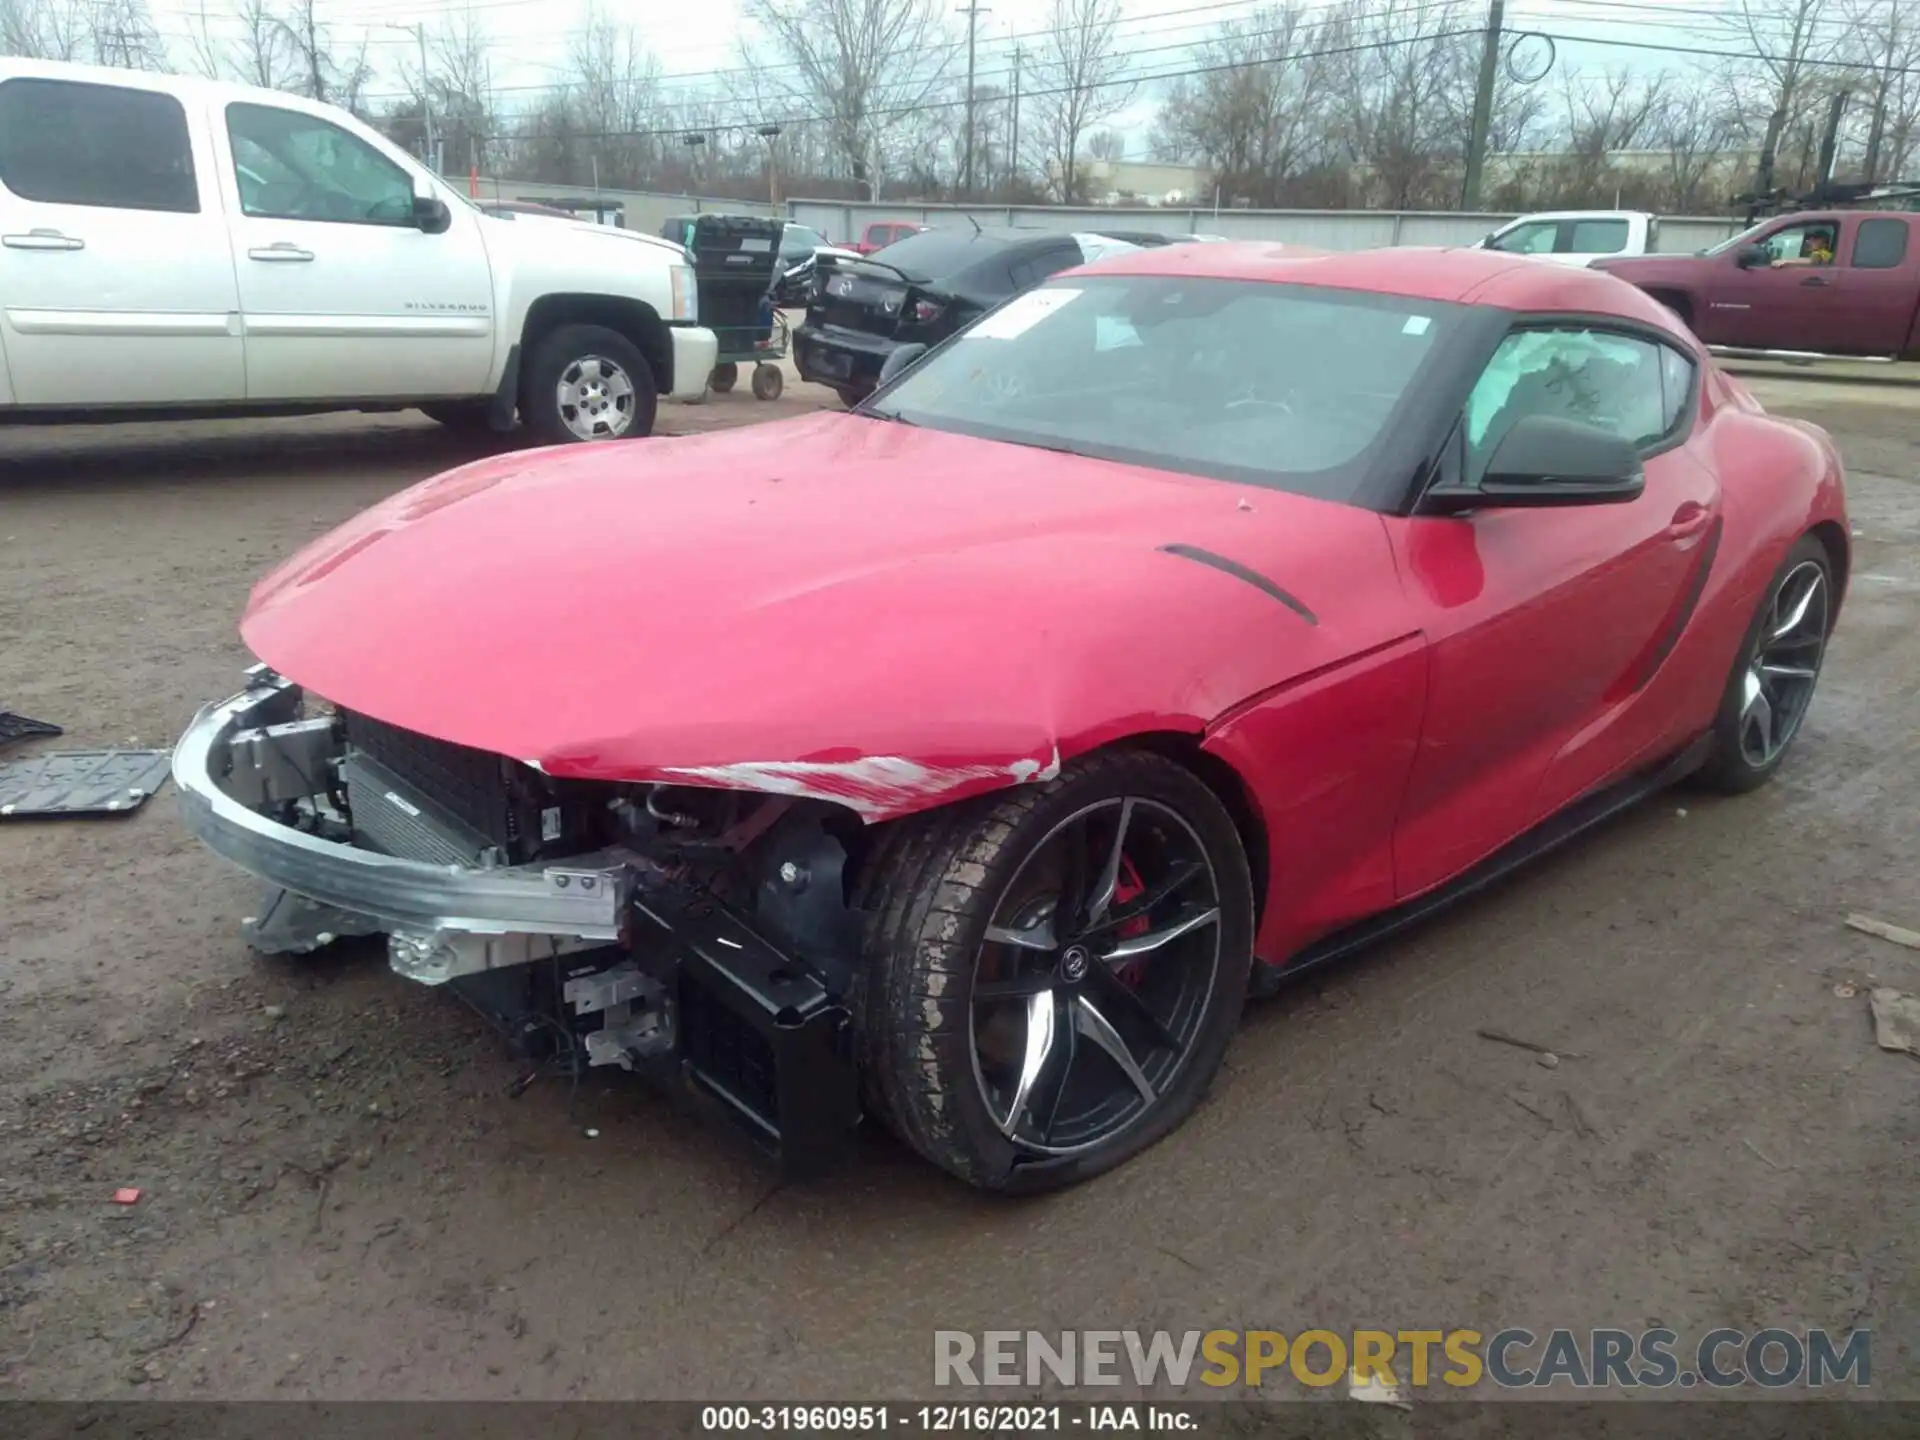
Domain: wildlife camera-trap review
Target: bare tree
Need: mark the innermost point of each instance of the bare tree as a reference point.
(614, 93)
(1790, 46)
(1405, 88)
(46, 29)
(121, 34)
(1256, 113)
(317, 65)
(1080, 83)
(1612, 112)
(1885, 36)
(262, 53)
(1692, 128)
(459, 85)
(205, 54)
(862, 65)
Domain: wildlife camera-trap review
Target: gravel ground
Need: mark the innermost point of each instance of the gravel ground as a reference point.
(340, 1200)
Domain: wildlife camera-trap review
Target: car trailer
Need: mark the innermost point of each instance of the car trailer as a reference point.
(736, 265)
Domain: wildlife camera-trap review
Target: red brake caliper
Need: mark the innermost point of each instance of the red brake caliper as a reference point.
(1129, 888)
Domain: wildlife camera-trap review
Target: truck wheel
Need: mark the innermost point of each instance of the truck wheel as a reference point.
(586, 382)
(1054, 974)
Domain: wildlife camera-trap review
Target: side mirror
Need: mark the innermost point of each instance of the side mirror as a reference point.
(899, 360)
(431, 215)
(1545, 460)
(1752, 257)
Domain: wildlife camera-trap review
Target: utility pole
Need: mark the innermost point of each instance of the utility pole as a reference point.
(1835, 110)
(419, 32)
(1013, 148)
(973, 10)
(1483, 106)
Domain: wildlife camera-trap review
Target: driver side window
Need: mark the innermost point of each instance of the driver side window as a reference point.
(291, 166)
(1537, 238)
(1810, 243)
(1616, 383)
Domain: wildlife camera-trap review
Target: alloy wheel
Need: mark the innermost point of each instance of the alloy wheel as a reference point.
(1093, 980)
(1778, 685)
(596, 398)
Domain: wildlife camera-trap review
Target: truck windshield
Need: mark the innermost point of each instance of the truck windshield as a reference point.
(1289, 386)
(1734, 242)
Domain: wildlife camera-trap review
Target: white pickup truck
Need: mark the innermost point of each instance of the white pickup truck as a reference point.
(176, 248)
(1577, 237)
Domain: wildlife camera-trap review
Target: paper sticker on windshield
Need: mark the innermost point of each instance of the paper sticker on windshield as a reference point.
(1021, 314)
(1416, 325)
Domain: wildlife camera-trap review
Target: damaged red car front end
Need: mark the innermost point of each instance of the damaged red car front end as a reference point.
(962, 762)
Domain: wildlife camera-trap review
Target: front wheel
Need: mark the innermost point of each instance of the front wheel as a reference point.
(586, 382)
(1055, 975)
(1773, 680)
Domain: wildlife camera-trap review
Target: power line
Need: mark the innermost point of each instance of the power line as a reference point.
(1422, 7)
(926, 107)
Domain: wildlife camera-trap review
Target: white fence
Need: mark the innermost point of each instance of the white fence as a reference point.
(843, 220)
(1322, 229)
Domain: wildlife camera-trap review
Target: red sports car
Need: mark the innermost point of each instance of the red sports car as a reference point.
(963, 762)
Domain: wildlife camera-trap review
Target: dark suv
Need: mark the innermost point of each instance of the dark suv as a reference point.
(918, 291)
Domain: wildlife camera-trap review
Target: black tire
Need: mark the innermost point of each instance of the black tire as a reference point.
(933, 886)
(1733, 767)
(768, 382)
(554, 359)
(724, 378)
(463, 417)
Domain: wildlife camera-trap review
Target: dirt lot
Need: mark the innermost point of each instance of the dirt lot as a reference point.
(339, 1199)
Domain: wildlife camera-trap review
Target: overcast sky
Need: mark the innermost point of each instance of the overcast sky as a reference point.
(691, 40)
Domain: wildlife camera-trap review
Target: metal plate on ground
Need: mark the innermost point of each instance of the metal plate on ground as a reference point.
(81, 782)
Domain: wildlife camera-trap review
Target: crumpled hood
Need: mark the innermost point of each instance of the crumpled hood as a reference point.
(832, 605)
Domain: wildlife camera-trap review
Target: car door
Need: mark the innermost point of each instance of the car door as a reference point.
(1788, 303)
(342, 294)
(1875, 302)
(114, 273)
(1545, 624)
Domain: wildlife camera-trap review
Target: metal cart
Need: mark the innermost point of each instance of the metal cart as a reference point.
(760, 346)
(736, 268)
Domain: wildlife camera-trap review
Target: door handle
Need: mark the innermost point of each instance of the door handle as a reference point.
(1689, 520)
(283, 250)
(41, 239)
(1816, 280)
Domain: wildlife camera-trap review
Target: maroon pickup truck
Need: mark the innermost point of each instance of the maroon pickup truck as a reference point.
(1826, 282)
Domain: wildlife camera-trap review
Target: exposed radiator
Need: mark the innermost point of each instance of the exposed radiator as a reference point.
(467, 785)
(396, 819)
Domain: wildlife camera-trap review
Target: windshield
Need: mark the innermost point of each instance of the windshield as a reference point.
(1745, 237)
(1288, 386)
(936, 254)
